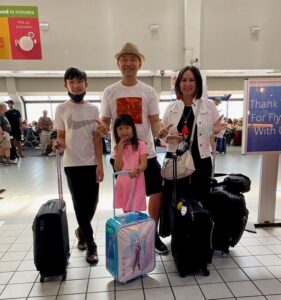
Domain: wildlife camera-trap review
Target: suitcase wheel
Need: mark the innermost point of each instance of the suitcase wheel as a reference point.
(224, 254)
(206, 272)
(64, 276)
(42, 277)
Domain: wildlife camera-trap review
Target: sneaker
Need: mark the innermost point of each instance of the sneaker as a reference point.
(160, 247)
(82, 245)
(92, 254)
(7, 162)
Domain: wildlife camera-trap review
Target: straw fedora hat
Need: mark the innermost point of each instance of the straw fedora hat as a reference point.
(130, 48)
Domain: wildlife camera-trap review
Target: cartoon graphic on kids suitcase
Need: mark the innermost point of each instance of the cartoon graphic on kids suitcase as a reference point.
(130, 239)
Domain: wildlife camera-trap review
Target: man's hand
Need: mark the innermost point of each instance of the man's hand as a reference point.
(102, 128)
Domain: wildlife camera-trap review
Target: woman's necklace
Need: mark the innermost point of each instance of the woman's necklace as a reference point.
(185, 130)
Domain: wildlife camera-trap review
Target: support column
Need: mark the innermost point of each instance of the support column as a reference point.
(192, 32)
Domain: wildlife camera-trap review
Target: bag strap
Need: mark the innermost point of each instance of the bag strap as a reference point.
(174, 195)
(194, 124)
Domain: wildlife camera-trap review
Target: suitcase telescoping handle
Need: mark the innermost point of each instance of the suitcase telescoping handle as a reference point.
(59, 179)
(184, 202)
(122, 173)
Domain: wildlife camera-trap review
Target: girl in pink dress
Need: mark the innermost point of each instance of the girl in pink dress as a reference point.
(130, 155)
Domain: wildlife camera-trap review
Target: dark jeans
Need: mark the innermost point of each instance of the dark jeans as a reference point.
(84, 191)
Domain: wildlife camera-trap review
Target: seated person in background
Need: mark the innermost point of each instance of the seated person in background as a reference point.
(234, 124)
(239, 125)
(237, 135)
(24, 127)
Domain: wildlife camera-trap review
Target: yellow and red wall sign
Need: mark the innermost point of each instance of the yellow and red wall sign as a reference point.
(19, 33)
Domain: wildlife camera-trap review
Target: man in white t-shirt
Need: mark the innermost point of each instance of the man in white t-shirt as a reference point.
(131, 96)
(82, 146)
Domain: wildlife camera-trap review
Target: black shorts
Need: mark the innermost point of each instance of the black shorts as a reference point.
(152, 174)
(153, 178)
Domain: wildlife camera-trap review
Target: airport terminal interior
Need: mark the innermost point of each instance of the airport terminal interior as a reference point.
(231, 42)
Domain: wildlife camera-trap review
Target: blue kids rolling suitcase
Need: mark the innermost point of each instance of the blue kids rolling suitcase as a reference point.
(50, 235)
(130, 243)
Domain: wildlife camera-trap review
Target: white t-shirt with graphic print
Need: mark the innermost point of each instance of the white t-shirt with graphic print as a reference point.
(140, 101)
(78, 122)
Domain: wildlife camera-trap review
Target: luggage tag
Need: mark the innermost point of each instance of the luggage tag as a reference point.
(181, 206)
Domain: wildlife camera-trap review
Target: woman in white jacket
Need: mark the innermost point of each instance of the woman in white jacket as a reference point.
(179, 117)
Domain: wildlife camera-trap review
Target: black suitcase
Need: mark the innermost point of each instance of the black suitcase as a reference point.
(191, 234)
(227, 206)
(50, 235)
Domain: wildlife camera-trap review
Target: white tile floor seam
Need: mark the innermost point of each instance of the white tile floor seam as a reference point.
(252, 271)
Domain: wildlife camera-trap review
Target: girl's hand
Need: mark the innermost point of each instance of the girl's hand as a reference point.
(219, 125)
(134, 173)
(121, 145)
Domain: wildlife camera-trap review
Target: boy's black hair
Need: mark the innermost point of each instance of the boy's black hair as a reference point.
(125, 119)
(73, 72)
(198, 80)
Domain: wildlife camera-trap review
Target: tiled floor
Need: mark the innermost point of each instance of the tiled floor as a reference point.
(252, 271)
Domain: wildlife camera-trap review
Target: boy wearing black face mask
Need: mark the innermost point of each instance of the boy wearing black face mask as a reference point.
(75, 121)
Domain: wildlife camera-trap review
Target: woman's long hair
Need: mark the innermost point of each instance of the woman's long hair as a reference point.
(198, 80)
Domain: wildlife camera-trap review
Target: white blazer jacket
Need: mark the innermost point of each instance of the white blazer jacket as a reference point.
(208, 115)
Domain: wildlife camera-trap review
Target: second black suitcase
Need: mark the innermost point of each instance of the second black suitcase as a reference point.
(227, 206)
(50, 236)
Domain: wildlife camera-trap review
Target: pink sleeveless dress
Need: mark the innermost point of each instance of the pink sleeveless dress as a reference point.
(131, 160)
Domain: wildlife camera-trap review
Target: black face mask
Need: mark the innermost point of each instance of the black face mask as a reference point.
(76, 98)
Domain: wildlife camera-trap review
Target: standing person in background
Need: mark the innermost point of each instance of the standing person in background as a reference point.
(45, 125)
(14, 117)
(77, 137)
(133, 97)
(5, 144)
(181, 113)
(217, 101)
(131, 155)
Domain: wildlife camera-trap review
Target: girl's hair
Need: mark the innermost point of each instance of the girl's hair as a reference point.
(73, 72)
(198, 81)
(126, 120)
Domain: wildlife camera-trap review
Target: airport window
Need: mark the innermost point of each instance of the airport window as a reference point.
(34, 105)
(4, 98)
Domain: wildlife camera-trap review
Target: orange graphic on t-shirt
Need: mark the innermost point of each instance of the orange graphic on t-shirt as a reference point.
(131, 106)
